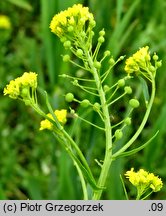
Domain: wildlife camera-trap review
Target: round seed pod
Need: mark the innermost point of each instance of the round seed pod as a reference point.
(85, 103)
(66, 58)
(101, 39)
(69, 97)
(97, 64)
(134, 103)
(128, 89)
(118, 134)
(79, 53)
(121, 82)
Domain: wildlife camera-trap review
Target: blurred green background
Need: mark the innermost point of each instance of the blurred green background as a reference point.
(32, 164)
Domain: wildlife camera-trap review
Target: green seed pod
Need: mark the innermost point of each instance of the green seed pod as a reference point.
(134, 103)
(66, 58)
(121, 82)
(155, 57)
(152, 68)
(101, 39)
(79, 53)
(96, 106)
(92, 23)
(107, 53)
(63, 39)
(158, 64)
(127, 121)
(27, 102)
(69, 97)
(106, 88)
(72, 111)
(97, 64)
(128, 89)
(75, 82)
(121, 58)
(118, 134)
(67, 44)
(111, 61)
(102, 32)
(85, 103)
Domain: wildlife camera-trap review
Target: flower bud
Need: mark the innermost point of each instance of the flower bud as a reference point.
(121, 82)
(72, 111)
(69, 97)
(70, 29)
(118, 134)
(152, 68)
(134, 103)
(85, 103)
(24, 92)
(63, 39)
(128, 89)
(75, 82)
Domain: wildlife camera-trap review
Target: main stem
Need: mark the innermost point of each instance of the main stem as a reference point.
(108, 132)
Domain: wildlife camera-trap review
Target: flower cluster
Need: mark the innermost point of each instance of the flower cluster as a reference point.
(4, 22)
(144, 181)
(61, 116)
(20, 86)
(71, 20)
(140, 62)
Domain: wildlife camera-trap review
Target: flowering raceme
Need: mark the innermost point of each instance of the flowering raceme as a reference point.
(71, 20)
(143, 181)
(16, 87)
(61, 116)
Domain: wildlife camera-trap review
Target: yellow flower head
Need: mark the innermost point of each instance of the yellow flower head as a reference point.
(71, 20)
(5, 22)
(139, 61)
(144, 180)
(61, 116)
(15, 87)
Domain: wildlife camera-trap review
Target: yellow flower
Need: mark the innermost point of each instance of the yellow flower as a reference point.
(5, 22)
(144, 180)
(72, 19)
(61, 116)
(139, 61)
(15, 87)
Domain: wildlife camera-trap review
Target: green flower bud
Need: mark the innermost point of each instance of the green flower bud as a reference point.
(24, 92)
(85, 103)
(97, 64)
(101, 39)
(66, 58)
(128, 89)
(127, 121)
(63, 39)
(92, 23)
(79, 52)
(27, 102)
(134, 103)
(96, 106)
(121, 58)
(152, 68)
(118, 134)
(67, 44)
(69, 97)
(121, 82)
(70, 29)
(102, 33)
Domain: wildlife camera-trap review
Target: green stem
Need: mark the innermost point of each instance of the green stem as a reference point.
(108, 132)
(83, 184)
(130, 142)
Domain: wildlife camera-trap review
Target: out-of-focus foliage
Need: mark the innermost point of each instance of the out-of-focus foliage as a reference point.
(32, 163)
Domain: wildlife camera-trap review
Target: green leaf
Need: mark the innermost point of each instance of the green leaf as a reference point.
(22, 4)
(124, 154)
